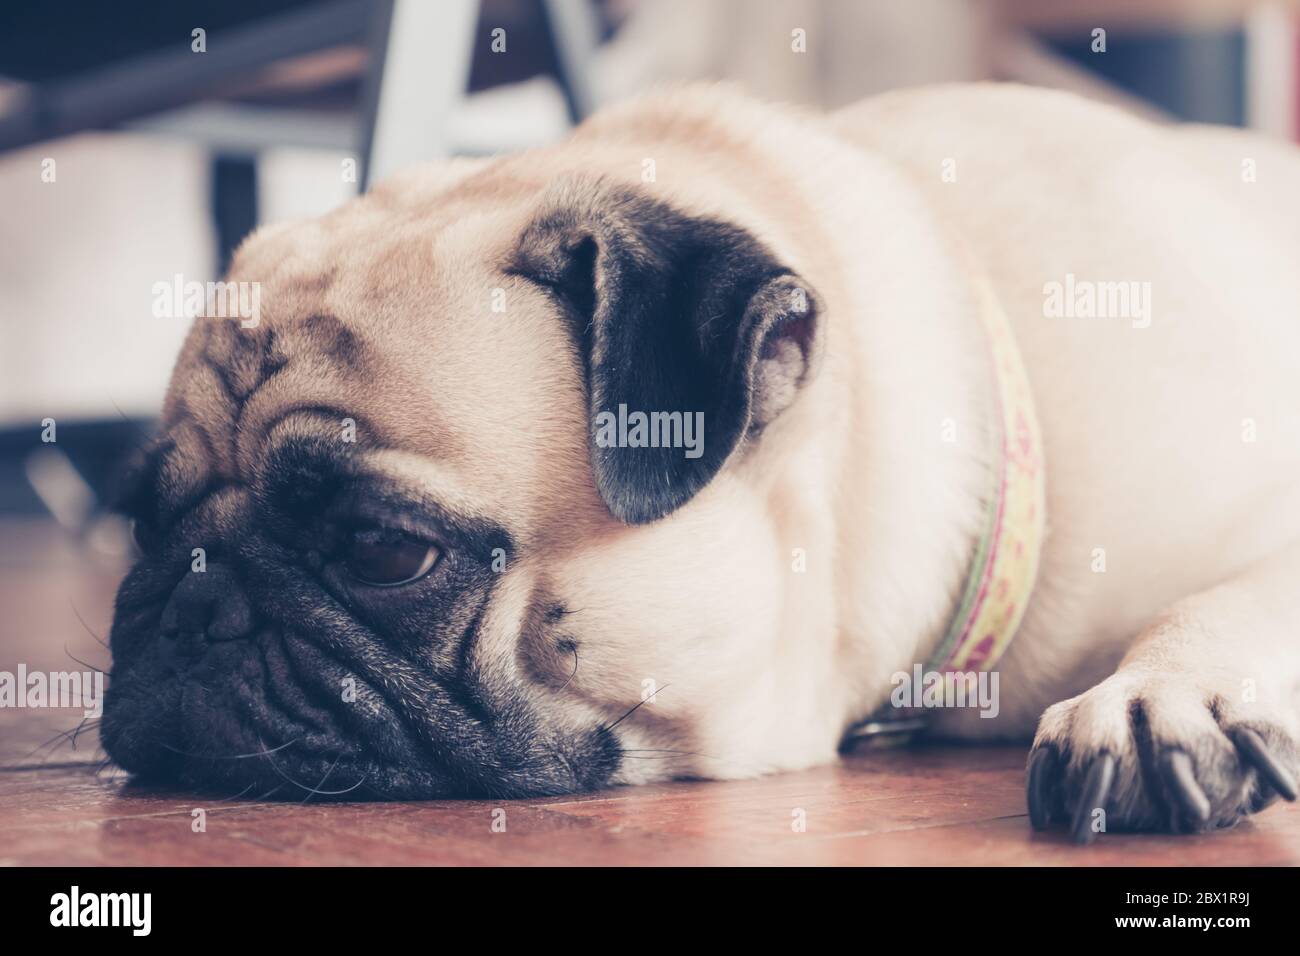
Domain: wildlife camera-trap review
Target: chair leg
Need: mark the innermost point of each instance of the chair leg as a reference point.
(420, 60)
(234, 204)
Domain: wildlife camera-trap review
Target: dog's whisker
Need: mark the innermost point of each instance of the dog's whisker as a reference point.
(87, 627)
(61, 737)
(575, 669)
(635, 708)
(81, 726)
(98, 670)
(270, 793)
(236, 796)
(323, 779)
(315, 790)
(249, 756)
(669, 753)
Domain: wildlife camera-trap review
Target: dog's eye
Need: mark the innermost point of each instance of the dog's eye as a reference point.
(382, 557)
(141, 536)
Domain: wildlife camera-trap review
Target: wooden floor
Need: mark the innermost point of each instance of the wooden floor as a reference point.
(952, 806)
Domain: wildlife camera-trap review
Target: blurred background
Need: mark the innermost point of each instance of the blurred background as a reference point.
(142, 139)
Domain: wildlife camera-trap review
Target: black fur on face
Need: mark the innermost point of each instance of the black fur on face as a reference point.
(274, 672)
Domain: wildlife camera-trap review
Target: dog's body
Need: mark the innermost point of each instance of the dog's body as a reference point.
(1149, 446)
(756, 603)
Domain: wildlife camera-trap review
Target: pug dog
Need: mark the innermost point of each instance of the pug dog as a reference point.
(405, 535)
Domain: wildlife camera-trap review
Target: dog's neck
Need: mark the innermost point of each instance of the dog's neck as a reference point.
(921, 447)
(1005, 564)
(918, 477)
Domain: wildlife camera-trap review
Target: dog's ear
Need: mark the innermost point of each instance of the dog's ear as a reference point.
(684, 320)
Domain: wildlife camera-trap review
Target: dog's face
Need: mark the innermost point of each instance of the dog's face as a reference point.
(434, 559)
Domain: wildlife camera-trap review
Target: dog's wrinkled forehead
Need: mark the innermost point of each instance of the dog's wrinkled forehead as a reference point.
(400, 327)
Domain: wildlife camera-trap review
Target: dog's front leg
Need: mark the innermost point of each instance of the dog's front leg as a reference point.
(1198, 726)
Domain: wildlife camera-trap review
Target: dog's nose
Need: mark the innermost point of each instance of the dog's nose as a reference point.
(208, 605)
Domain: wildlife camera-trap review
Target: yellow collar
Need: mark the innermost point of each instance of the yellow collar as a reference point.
(1006, 559)
(1005, 564)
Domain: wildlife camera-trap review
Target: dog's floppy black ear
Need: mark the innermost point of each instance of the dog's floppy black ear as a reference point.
(695, 337)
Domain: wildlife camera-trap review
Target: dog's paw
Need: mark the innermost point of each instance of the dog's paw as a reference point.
(1158, 753)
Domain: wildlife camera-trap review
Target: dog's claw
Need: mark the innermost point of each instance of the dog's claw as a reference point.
(1179, 775)
(1255, 753)
(1185, 761)
(1042, 771)
(1096, 789)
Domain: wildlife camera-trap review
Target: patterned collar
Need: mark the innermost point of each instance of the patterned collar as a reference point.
(1005, 564)
(1002, 573)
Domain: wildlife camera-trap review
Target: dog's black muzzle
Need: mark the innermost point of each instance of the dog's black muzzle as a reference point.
(210, 691)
